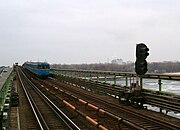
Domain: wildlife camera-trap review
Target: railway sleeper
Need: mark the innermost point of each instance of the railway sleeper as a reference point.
(167, 101)
(162, 97)
(162, 106)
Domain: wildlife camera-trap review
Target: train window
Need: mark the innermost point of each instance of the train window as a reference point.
(47, 66)
(43, 66)
(39, 66)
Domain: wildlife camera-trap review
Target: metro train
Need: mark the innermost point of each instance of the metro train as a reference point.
(40, 69)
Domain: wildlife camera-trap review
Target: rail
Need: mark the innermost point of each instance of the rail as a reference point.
(69, 124)
(165, 101)
(101, 88)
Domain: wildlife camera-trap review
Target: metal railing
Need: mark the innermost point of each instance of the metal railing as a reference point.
(127, 78)
(5, 87)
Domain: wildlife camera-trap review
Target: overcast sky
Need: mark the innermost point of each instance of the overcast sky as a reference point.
(88, 31)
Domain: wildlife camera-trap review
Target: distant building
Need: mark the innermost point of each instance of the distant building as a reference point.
(117, 61)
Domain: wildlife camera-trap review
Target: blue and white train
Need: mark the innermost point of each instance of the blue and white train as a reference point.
(40, 69)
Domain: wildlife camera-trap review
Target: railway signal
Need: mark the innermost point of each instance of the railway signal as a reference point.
(141, 55)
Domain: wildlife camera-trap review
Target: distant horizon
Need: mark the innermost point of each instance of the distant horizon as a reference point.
(174, 61)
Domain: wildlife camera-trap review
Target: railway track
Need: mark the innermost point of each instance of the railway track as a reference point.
(131, 115)
(168, 103)
(26, 119)
(47, 114)
(79, 100)
(98, 118)
(162, 101)
(89, 112)
(58, 97)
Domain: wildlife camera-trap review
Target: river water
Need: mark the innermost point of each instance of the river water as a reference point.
(152, 84)
(167, 85)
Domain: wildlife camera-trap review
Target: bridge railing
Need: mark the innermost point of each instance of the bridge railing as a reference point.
(4, 89)
(126, 78)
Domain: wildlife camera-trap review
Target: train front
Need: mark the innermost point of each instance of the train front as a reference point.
(43, 69)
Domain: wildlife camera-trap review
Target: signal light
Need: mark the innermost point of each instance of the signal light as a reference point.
(141, 55)
(141, 51)
(141, 67)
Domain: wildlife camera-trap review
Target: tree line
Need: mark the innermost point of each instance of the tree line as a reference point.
(153, 67)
